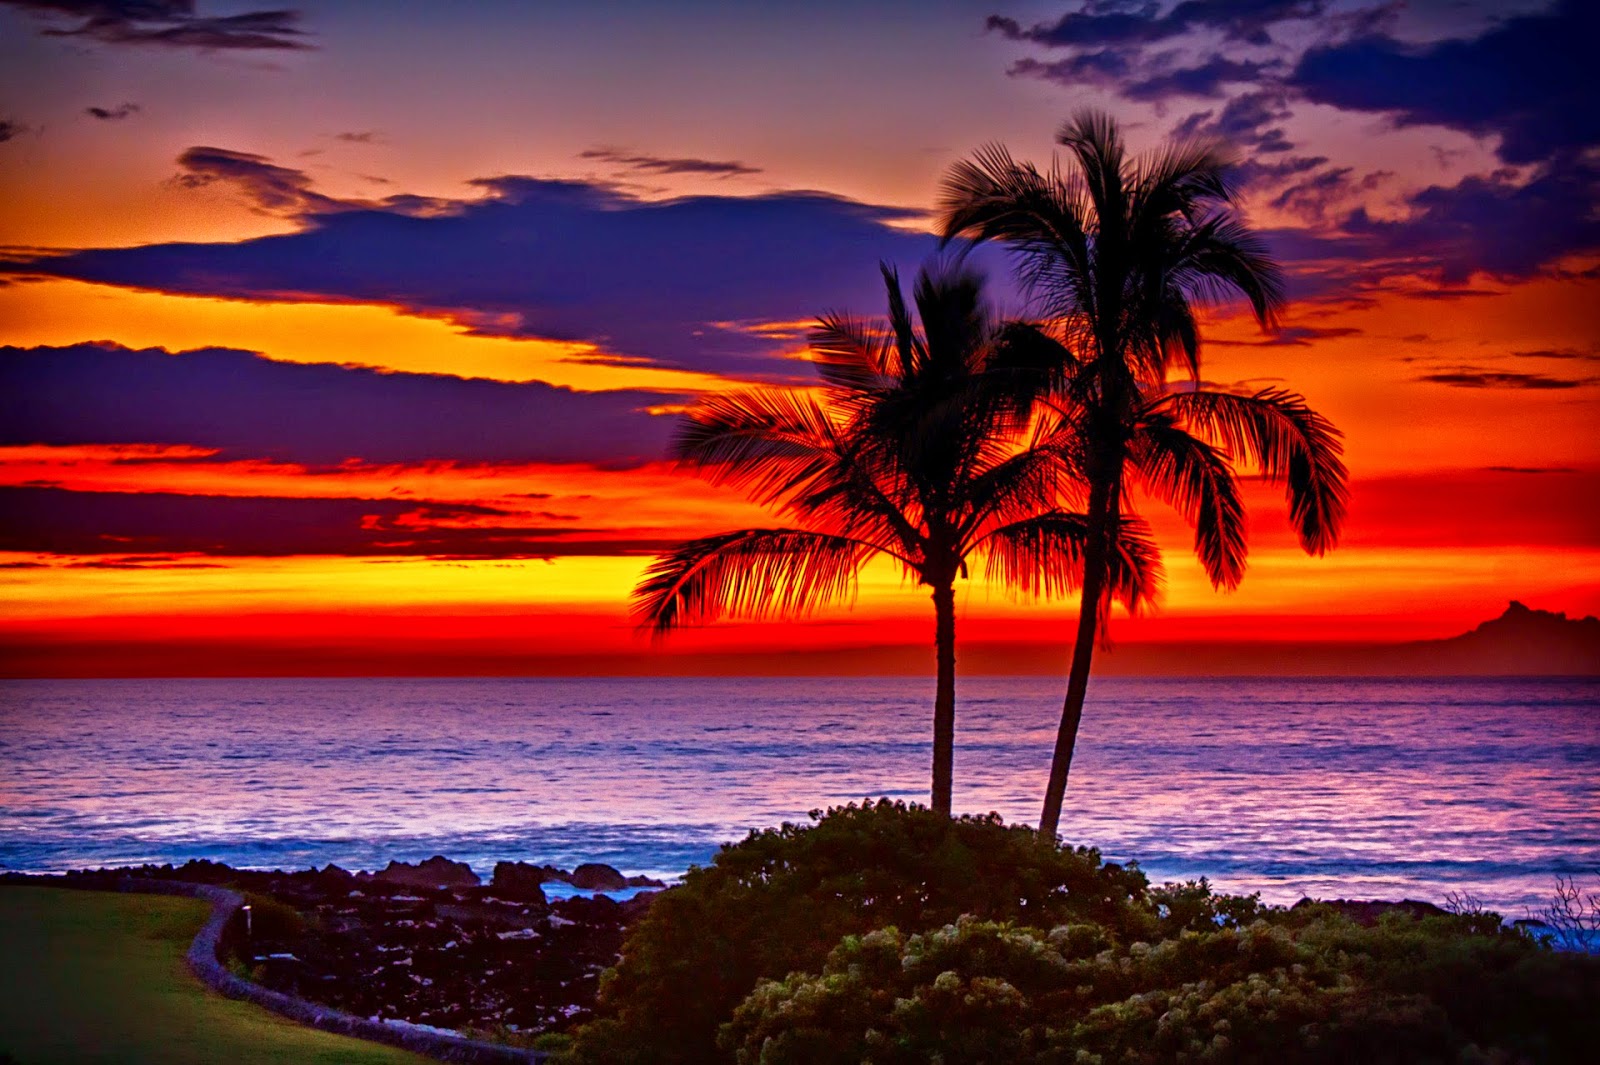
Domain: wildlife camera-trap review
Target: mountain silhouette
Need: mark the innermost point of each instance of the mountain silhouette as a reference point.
(1521, 640)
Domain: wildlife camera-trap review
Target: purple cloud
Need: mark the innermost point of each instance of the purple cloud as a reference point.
(662, 164)
(136, 529)
(1493, 225)
(1470, 378)
(317, 415)
(112, 114)
(1112, 22)
(168, 23)
(1531, 81)
(674, 283)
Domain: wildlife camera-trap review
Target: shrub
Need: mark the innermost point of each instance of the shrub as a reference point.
(1324, 991)
(889, 934)
(782, 899)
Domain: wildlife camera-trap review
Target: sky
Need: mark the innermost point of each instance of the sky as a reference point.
(350, 338)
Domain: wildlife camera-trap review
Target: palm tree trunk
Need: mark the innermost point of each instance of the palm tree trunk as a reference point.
(1101, 505)
(944, 700)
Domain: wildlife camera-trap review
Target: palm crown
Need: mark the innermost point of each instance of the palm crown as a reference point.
(915, 448)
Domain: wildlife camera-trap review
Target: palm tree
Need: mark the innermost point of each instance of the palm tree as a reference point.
(1120, 253)
(911, 450)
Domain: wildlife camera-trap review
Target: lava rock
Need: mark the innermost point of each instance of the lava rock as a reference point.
(435, 872)
(635, 907)
(1367, 912)
(592, 876)
(519, 880)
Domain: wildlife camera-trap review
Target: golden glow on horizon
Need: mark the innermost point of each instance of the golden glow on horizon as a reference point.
(1439, 582)
(69, 312)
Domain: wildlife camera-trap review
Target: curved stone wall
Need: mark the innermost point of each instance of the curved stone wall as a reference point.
(202, 958)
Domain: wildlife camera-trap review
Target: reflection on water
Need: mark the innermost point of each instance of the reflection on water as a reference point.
(1325, 787)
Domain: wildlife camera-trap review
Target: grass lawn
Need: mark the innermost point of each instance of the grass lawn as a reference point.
(98, 977)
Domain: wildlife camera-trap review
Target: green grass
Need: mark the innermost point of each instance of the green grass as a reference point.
(90, 977)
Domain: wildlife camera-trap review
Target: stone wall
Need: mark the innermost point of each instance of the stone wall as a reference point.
(203, 961)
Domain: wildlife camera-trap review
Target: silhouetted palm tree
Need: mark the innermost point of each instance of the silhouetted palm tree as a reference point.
(1120, 252)
(911, 450)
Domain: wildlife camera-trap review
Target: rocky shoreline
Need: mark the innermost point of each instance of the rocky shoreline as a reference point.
(426, 944)
(433, 945)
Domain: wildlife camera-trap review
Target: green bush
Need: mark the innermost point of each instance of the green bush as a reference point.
(780, 900)
(1321, 990)
(885, 933)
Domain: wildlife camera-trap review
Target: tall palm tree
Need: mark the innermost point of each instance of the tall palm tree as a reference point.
(1121, 253)
(911, 450)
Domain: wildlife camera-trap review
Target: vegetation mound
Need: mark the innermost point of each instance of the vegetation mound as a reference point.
(887, 933)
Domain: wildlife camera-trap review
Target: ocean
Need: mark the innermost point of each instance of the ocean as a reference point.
(1332, 788)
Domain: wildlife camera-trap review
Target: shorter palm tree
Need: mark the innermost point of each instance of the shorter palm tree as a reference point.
(913, 449)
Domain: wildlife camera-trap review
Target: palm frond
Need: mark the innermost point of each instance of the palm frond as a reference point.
(1135, 576)
(1221, 257)
(1291, 444)
(1044, 219)
(1093, 139)
(1042, 557)
(908, 347)
(849, 354)
(768, 441)
(752, 573)
(1198, 481)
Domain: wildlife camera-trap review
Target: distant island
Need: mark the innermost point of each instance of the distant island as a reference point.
(1520, 642)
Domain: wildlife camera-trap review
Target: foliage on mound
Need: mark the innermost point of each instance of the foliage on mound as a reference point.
(1327, 991)
(887, 934)
(780, 900)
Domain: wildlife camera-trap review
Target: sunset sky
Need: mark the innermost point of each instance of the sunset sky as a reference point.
(350, 338)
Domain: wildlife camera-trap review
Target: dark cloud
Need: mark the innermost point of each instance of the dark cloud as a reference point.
(1530, 469)
(1249, 119)
(316, 415)
(1446, 294)
(10, 129)
(271, 187)
(678, 283)
(357, 137)
(127, 525)
(1255, 173)
(1499, 225)
(112, 114)
(1505, 227)
(1558, 353)
(1312, 197)
(659, 164)
(1294, 336)
(168, 23)
(1502, 379)
(1530, 80)
(1120, 22)
(1207, 79)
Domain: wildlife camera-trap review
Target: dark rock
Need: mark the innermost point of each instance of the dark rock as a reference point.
(595, 909)
(519, 880)
(646, 881)
(592, 876)
(489, 915)
(635, 907)
(1367, 912)
(435, 872)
